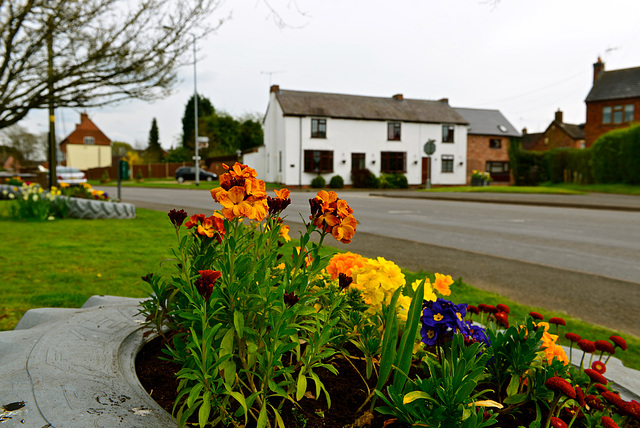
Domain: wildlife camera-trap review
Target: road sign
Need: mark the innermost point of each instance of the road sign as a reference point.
(430, 147)
(196, 158)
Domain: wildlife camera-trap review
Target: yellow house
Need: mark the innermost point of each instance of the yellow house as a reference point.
(87, 146)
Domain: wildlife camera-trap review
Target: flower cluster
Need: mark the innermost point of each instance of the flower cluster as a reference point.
(440, 319)
(481, 175)
(377, 280)
(333, 215)
(241, 194)
(344, 263)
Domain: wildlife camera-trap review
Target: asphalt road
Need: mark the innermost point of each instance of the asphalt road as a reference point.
(581, 261)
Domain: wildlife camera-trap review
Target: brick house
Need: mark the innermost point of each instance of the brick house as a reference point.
(488, 139)
(87, 146)
(558, 134)
(612, 102)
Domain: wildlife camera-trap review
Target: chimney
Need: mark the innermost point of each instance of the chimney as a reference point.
(598, 68)
(524, 131)
(398, 97)
(559, 116)
(444, 101)
(274, 88)
(84, 116)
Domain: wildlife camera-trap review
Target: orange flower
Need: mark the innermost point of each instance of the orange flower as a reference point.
(284, 233)
(234, 203)
(212, 226)
(345, 229)
(442, 283)
(333, 215)
(344, 263)
(282, 193)
(551, 350)
(194, 220)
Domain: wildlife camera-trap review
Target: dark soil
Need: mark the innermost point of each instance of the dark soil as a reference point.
(347, 391)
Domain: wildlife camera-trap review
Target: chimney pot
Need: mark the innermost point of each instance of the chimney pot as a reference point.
(398, 97)
(444, 101)
(559, 116)
(598, 68)
(274, 88)
(524, 131)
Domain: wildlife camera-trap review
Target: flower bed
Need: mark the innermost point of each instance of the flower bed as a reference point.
(35, 203)
(257, 328)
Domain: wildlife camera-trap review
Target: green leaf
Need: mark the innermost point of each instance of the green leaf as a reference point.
(301, 387)
(240, 399)
(205, 409)
(238, 322)
(415, 395)
(262, 418)
(515, 399)
(403, 359)
(279, 420)
(512, 389)
(390, 338)
(227, 343)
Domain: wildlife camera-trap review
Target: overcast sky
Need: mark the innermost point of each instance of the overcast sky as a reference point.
(526, 58)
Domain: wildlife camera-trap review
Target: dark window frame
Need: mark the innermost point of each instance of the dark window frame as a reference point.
(629, 112)
(393, 162)
(321, 164)
(394, 131)
(448, 133)
(446, 163)
(606, 114)
(495, 143)
(318, 128)
(618, 114)
(502, 169)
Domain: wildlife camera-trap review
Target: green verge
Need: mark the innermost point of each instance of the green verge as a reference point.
(166, 183)
(508, 189)
(62, 263)
(621, 189)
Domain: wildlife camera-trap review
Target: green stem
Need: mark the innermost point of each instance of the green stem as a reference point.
(552, 408)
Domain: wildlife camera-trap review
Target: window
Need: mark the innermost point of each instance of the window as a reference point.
(628, 113)
(393, 162)
(318, 161)
(358, 161)
(447, 133)
(606, 114)
(447, 163)
(495, 143)
(497, 167)
(617, 114)
(318, 128)
(393, 131)
(89, 140)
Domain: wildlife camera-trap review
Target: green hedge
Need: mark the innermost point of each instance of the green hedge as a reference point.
(616, 156)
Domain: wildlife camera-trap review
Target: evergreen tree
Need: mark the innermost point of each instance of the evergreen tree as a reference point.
(154, 149)
(205, 108)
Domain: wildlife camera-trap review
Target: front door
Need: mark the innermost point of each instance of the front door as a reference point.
(425, 169)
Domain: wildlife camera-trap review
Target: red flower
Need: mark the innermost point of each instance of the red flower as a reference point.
(613, 398)
(619, 342)
(599, 366)
(177, 217)
(290, 299)
(344, 281)
(631, 408)
(558, 423)
(607, 422)
(557, 320)
(604, 346)
(594, 402)
(595, 376)
(601, 388)
(482, 307)
(587, 346)
(491, 309)
(579, 396)
(536, 315)
(473, 309)
(503, 308)
(573, 337)
(194, 220)
(558, 384)
(502, 319)
(205, 283)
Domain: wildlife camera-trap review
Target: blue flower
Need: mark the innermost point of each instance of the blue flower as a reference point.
(440, 318)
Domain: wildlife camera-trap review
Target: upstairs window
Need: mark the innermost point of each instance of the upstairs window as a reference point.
(318, 161)
(393, 131)
(358, 161)
(318, 128)
(606, 114)
(447, 133)
(495, 143)
(393, 162)
(89, 140)
(628, 113)
(617, 114)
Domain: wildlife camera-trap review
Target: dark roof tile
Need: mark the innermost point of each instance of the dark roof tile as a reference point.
(616, 84)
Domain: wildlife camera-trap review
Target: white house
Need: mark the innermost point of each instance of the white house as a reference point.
(312, 133)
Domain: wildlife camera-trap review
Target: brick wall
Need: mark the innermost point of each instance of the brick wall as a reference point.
(594, 127)
(479, 152)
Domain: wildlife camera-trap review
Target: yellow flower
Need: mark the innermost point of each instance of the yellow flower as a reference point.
(429, 295)
(551, 350)
(442, 283)
(284, 233)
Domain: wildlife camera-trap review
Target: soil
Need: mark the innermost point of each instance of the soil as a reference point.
(347, 391)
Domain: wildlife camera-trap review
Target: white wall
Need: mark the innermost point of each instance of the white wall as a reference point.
(289, 136)
(88, 156)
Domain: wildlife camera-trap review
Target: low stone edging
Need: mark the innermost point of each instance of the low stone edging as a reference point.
(85, 208)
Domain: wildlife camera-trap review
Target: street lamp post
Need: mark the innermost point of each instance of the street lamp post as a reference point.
(195, 111)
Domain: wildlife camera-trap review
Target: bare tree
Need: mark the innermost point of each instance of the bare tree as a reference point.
(103, 51)
(29, 146)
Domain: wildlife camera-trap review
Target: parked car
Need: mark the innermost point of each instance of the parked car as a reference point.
(71, 176)
(189, 173)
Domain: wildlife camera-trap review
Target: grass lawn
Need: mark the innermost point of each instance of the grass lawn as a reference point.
(508, 189)
(622, 189)
(63, 262)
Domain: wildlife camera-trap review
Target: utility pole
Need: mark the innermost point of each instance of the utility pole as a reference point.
(195, 109)
(53, 178)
